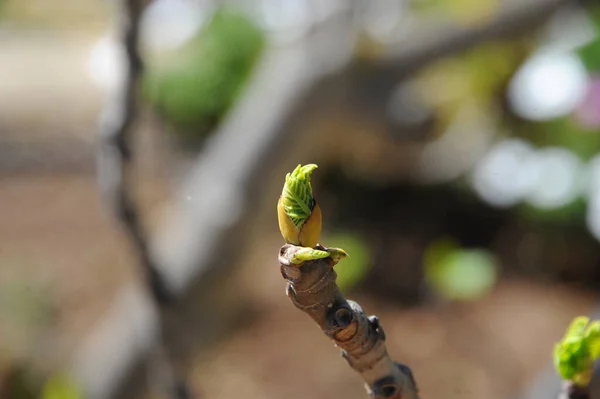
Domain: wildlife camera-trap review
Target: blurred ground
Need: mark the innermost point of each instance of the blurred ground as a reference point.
(55, 235)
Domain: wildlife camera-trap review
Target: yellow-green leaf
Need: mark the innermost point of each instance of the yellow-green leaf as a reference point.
(576, 328)
(575, 354)
(305, 254)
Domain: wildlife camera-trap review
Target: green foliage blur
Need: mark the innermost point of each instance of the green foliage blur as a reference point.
(25, 310)
(22, 382)
(457, 273)
(590, 53)
(353, 269)
(194, 86)
(61, 386)
(462, 12)
(475, 79)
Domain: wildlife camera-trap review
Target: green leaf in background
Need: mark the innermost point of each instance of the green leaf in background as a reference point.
(457, 273)
(353, 269)
(61, 386)
(575, 354)
(463, 12)
(194, 86)
(436, 251)
(590, 52)
(474, 78)
(590, 55)
(568, 133)
(571, 213)
(27, 310)
(19, 382)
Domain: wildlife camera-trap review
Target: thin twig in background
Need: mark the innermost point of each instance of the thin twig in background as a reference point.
(115, 160)
(312, 288)
(115, 153)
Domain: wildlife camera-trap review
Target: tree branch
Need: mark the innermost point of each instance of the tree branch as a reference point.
(115, 161)
(312, 289)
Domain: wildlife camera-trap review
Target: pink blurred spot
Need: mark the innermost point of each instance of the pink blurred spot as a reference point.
(588, 111)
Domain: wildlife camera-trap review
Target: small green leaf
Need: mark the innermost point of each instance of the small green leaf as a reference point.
(305, 254)
(337, 254)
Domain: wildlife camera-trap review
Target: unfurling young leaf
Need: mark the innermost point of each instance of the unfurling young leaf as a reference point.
(298, 213)
(297, 196)
(299, 217)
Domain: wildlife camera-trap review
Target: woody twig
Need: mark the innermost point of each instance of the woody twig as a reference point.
(309, 271)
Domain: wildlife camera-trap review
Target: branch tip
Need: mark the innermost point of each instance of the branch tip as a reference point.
(312, 288)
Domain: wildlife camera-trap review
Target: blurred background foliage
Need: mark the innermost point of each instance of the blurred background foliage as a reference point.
(55, 15)
(467, 12)
(353, 269)
(456, 273)
(27, 313)
(61, 386)
(477, 167)
(527, 102)
(193, 86)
